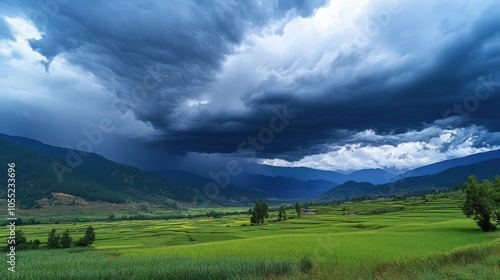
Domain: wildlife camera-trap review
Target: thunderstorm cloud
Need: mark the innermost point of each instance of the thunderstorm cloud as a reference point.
(373, 84)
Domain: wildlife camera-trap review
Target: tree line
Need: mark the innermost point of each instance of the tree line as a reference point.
(54, 241)
(482, 203)
(261, 211)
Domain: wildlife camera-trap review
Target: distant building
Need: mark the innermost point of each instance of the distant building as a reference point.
(308, 212)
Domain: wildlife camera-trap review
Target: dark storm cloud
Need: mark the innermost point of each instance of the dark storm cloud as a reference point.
(158, 56)
(438, 83)
(154, 55)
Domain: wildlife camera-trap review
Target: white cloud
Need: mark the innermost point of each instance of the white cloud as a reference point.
(408, 150)
(286, 51)
(342, 43)
(22, 30)
(53, 106)
(196, 102)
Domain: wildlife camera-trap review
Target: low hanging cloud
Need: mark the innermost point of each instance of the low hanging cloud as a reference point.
(369, 149)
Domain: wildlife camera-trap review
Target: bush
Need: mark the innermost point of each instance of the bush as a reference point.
(306, 265)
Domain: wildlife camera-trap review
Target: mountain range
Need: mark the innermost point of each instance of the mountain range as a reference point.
(96, 178)
(447, 164)
(417, 185)
(374, 176)
(43, 169)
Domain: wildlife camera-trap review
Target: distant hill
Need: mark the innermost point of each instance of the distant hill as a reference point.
(447, 164)
(227, 195)
(94, 179)
(350, 189)
(374, 176)
(281, 187)
(416, 185)
(300, 173)
(99, 179)
(269, 187)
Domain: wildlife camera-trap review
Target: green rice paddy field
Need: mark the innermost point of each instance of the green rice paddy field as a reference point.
(385, 239)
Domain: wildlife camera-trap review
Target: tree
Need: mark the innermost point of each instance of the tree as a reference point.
(345, 210)
(480, 202)
(20, 239)
(281, 213)
(88, 238)
(253, 219)
(53, 240)
(298, 209)
(259, 213)
(36, 244)
(66, 239)
(496, 196)
(20, 242)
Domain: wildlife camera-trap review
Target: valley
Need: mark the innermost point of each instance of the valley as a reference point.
(249, 140)
(381, 239)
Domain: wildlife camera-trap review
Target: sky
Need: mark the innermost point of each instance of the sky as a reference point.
(331, 85)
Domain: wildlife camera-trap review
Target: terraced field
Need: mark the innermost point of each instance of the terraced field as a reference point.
(415, 238)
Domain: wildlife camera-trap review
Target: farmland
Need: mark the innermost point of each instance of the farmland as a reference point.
(426, 238)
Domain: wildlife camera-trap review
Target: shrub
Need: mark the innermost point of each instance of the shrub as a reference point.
(306, 265)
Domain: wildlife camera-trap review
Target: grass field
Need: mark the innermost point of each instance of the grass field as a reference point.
(413, 239)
